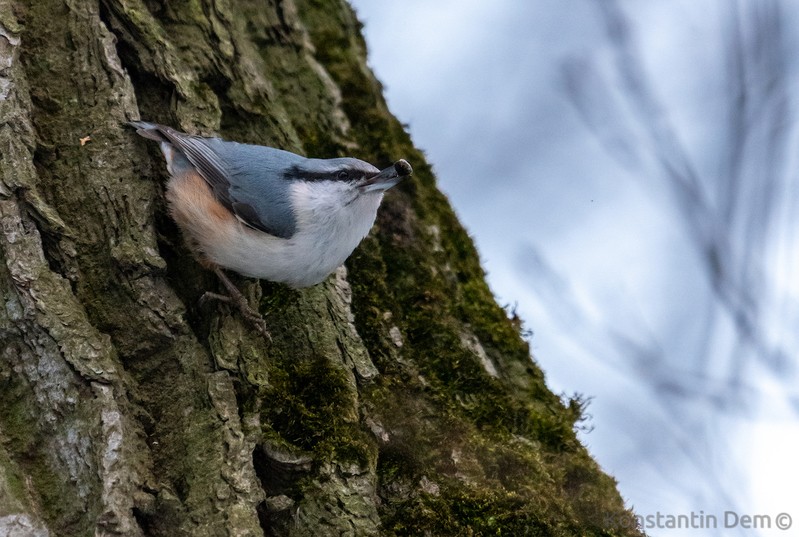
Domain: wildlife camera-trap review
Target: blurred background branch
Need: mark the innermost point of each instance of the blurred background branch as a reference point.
(740, 217)
(737, 205)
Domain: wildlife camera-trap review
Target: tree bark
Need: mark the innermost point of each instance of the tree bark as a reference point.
(397, 398)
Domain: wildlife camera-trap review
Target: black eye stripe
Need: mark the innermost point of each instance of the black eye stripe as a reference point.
(295, 172)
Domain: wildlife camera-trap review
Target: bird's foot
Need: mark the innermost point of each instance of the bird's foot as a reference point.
(237, 299)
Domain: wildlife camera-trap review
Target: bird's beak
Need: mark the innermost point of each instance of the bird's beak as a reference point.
(387, 178)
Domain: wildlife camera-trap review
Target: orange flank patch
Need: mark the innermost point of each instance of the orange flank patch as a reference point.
(203, 220)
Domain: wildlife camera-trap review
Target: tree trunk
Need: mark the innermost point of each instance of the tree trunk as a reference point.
(396, 398)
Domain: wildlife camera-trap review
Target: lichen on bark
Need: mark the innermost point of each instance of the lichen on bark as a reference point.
(396, 398)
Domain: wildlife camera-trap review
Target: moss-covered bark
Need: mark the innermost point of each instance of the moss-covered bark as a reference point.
(396, 398)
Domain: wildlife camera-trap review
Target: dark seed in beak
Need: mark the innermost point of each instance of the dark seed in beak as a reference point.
(403, 168)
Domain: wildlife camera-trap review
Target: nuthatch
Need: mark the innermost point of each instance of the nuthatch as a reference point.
(268, 213)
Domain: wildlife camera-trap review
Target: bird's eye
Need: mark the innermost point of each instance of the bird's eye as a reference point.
(343, 176)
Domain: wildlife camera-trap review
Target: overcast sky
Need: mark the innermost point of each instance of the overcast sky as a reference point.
(598, 170)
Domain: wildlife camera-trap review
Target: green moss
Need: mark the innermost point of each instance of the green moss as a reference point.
(22, 436)
(308, 403)
(12, 486)
(458, 511)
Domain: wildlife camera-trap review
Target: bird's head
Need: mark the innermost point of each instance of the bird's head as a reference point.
(353, 174)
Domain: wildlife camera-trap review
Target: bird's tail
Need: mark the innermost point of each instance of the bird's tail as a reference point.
(148, 130)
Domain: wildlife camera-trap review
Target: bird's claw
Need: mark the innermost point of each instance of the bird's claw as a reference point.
(236, 298)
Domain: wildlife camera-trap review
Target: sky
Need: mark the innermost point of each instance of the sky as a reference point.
(637, 158)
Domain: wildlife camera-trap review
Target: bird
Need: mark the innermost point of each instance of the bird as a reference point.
(267, 213)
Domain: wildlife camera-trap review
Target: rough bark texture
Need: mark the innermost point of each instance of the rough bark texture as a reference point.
(396, 398)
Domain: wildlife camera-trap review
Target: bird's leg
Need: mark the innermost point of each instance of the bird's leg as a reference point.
(236, 298)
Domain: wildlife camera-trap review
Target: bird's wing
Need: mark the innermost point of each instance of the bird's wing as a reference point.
(246, 179)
